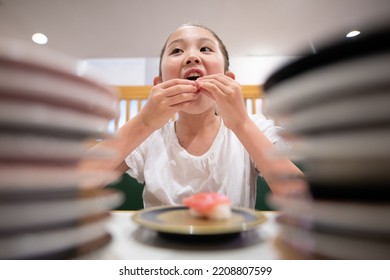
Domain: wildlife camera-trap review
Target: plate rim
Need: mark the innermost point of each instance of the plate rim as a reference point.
(310, 88)
(333, 213)
(186, 230)
(27, 54)
(333, 52)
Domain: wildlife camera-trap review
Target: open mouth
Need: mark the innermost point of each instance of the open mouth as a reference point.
(193, 76)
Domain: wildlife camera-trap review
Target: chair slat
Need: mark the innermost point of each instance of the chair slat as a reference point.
(140, 93)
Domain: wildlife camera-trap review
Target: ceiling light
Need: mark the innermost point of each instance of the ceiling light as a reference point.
(352, 34)
(39, 38)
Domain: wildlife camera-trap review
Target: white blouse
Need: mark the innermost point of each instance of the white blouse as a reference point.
(170, 173)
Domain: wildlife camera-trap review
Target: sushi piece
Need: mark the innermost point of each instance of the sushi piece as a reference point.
(209, 205)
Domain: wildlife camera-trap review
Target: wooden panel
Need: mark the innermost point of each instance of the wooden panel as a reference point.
(134, 92)
(142, 92)
(252, 91)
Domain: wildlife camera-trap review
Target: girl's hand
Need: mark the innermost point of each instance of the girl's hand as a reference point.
(166, 99)
(228, 95)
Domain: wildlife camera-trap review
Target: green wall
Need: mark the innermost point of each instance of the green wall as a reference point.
(133, 193)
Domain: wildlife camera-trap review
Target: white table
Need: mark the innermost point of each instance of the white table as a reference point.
(133, 242)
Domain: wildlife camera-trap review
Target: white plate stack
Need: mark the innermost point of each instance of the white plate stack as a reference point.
(335, 108)
(49, 208)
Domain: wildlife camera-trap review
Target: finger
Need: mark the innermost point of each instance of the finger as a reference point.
(180, 98)
(173, 82)
(182, 105)
(212, 91)
(226, 84)
(224, 79)
(176, 86)
(214, 87)
(180, 89)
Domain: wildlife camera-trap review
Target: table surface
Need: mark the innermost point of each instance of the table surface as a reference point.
(130, 241)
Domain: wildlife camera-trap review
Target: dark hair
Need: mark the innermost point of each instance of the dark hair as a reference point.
(222, 46)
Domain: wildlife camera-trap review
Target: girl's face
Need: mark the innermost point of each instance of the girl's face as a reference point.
(191, 47)
(192, 52)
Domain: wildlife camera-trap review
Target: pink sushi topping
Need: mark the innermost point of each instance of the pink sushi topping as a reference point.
(205, 202)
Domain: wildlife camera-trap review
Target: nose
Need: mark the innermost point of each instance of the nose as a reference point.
(192, 59)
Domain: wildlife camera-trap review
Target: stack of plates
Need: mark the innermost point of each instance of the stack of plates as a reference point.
(49, 208)
(334, 106)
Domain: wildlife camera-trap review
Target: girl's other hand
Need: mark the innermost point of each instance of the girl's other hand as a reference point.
(228, 95)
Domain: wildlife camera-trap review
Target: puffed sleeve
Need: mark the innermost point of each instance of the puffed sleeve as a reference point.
(267, 126)
(136, 163)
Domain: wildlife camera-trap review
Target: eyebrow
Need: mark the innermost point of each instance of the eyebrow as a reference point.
(180, 40)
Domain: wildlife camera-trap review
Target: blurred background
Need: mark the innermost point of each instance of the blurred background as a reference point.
(123, 38)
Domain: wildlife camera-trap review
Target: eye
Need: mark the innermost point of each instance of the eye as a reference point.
(176, 51)
(206, 49)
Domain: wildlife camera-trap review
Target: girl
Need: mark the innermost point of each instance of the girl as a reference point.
(202, 150)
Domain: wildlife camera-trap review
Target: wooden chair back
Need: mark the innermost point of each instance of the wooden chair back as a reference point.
(132, 99)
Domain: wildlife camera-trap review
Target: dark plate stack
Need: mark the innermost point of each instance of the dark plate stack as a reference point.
(335, 108)
(49, 109)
